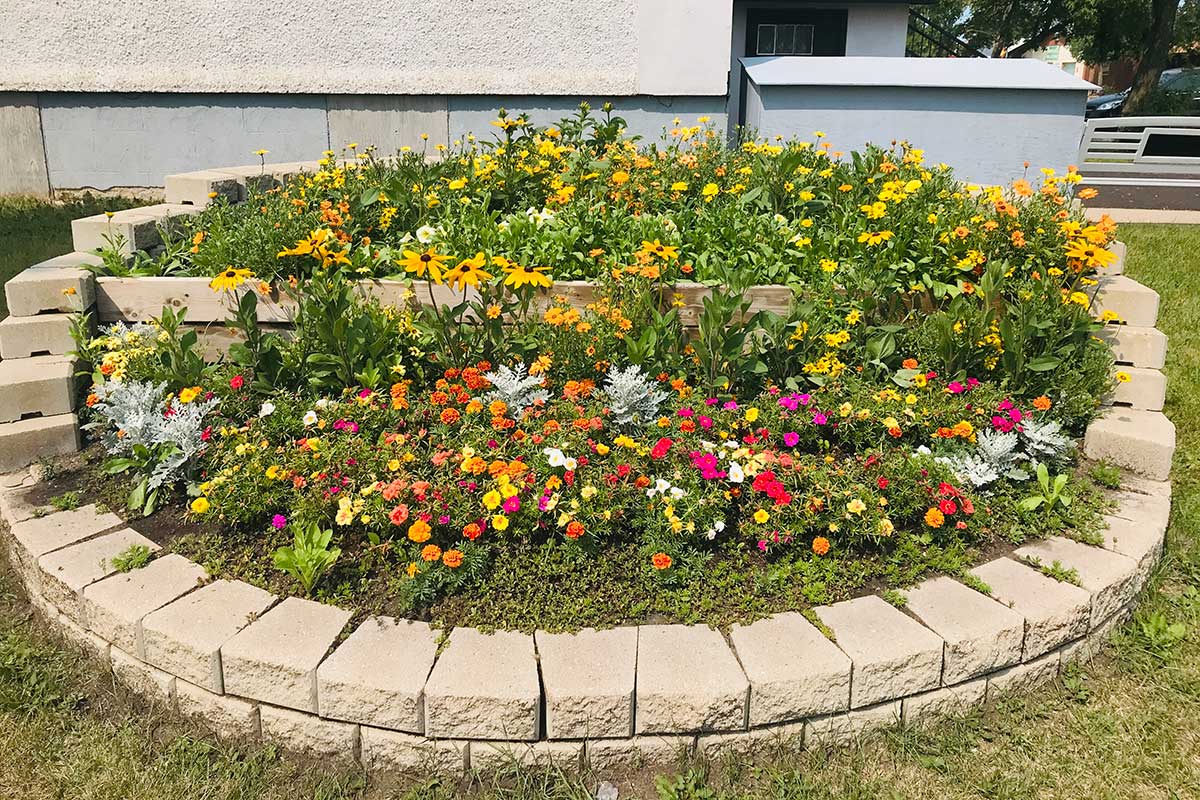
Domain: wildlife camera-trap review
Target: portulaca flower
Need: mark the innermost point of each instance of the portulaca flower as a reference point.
(268, 408)
(323, 403)
(676, 492)
(425, 234)
(569, 464)
(555, 456)
(718, 527)
(736, 473)
(310, 418)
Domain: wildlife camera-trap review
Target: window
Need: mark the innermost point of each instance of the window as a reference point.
(784, 40)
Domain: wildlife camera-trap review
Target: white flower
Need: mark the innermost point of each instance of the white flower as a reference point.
(323, 403)
(502, 226)
(717, 527)
(425, 234)
(268, 408)
(310, 418)
(555, 456)
(923, 450)
(730, 444)
(676, 492)
(569, 464)
(660, 487)
(736, 473)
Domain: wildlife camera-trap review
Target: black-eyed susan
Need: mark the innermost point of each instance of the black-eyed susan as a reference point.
(230, 278)
(469, 272)
(518, 276)
(430, 262)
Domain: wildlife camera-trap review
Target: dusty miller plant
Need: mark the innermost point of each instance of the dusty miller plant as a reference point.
(515, 388)
(1006, 455)
(633, 396)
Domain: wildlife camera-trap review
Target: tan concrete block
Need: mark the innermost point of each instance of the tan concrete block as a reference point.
(198, 188)
(1109, 576)
(1135, 346)
(128, 230)
(45, 334)
(66, 572)
(712, 697)
(1134, 303)
(491, 757)
(225, 717)
(1023, 676)
(588, 678)
(755, 744)
(24, 442)
(42, 535)
(981, 635)
(1055, 612)
(1146, 389)
(1142, 441)
(604, 755)
(58, 290)
(948, 701)
(114, 606)
(41, 386)
(484, 687)
(307, 734)
(150, 683)
(395, 752)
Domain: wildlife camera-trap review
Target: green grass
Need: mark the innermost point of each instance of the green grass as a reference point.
(33, 230)
(1126, 726)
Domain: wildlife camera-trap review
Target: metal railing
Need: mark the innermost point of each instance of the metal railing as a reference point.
(928, 39)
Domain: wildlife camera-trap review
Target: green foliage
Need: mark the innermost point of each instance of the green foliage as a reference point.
(309, 557)
(1051, 493)
(974, 582)
(1106, 474)
(133, 557)
(895, 597)
(1055, 570)
(143, 461)
(1156, 634)
(67, 501)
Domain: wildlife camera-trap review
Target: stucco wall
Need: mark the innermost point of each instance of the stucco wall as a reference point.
(352, 47)
(876, 30)
(985, 134)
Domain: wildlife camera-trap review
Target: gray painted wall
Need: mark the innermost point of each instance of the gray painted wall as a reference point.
(985, 134)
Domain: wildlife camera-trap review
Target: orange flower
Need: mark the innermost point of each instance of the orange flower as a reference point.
(452, 558)
(1042, 403)
(934, 518)
(909, 363)
(450, 416)
(575, 529)
(820, 545)
(1087, 194)
(419, 531)
(431, 552)
(660, 561)
(471, 531)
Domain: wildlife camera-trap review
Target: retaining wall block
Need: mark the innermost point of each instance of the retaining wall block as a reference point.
(142, 678)
(42, 386)
(1107, 575)
(201, 188)
(384, 751)
(185, 637)
(1023, 676)
(893, 654)
(129, 230)
(618, 754)
(1143, 441)
(1146, 389)
(846, 727)
(1134, 303)
(493, 757)
(66, 572)
(588, 678)
(1136, 346)
(981, 635)
(484, 687)
(948, 701)
(114, 606)
(54, 290)
(687, 680)
(794, 671)
(772, 741)
(45, 334)
(226, 717)
(42, 535)
(1055, 612)
(305, 734)
(377, 676)
(275, 658)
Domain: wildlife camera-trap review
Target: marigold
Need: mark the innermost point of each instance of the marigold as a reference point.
(820, 545)
(452, 558)
(934, 518)
(450, 416)
(419, 531)
(1042, 403)
(574, 529)
(200, 505)
(661, 561)
(431, 552)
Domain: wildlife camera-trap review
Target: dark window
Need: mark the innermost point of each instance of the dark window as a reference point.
(786, 39)
(796, 32)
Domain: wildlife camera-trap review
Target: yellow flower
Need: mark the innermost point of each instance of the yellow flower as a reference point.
(469, 272)
(229, 279)
(1123, 377)
(200, 505)
(491, 500)
(458, 183)
(751, 414)
(499, 522)
(519, 276)
(189, 394)
(874, 237)
(620, 177)
(679, 186)
(856, 506)
(710, 191)
(430, 262)
(828, 265)
(761, 516)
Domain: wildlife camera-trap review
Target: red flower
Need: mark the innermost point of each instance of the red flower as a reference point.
(882, 482)
(946, 490)
(661, 448)
(948, 507)
(237, 382)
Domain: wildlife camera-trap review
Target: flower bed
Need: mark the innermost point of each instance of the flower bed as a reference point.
(488, 446)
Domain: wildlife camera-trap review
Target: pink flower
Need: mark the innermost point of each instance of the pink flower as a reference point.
(954, 387)
(705, 422)
(512, 504)
(279, 522)
(791, 438)
(686, 412)
(819, 418)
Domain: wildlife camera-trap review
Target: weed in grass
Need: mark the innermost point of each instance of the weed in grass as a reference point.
(1106, 475)
(1055, 570)
(67, 501)
(896, 598)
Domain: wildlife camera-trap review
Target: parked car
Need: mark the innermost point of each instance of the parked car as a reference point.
(1177, 83)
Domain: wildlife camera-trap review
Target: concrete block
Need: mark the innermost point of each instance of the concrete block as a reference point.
(76, 259)
(1134, 303)
(948, 701)
(24, 442)
(16, 505)
(1146, 389)
(849, 726)
(42, 535)
(1107, 575)
(114, 606)
(46, 334)
(42, 386)
(1023, 676)
(1117, 267)
(275, 658)
(96, 648)
(1142, 441)
(756, 743)
(305, 734)
(981, 635)
(588, 678)
(185, 637)
(128, 230)
(793, 669)
(377, 676)
(893, 654)
(492, 757)
(144, 680)
(484, 687)
(57, 290)
(385, 751)
(250, 178)
(712, 697)
(23, 158)
(1054, 612)
(1138, 347)
(225, 717)
(66, 572)
(1141, 541)
(606, 755)
(201, 188)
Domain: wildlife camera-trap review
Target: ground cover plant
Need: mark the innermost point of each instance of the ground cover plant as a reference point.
(499, 454)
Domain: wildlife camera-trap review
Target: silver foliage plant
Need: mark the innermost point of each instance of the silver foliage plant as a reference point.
(141, 413)
(516, 388)
(1013, 455)
(633, 397)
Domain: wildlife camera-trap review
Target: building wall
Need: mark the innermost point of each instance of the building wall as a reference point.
(402, 47)
(876, 30)
(985, 134)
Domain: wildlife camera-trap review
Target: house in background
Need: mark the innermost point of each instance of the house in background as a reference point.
(101, 94)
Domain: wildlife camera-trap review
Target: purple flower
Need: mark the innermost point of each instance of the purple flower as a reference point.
(711, 401)
(805, 399)
(279, 522)
(730, 405)
(686, 412)
(954, 387)
(444, 519)
(791, 438)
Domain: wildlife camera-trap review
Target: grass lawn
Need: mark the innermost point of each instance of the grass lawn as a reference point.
(32, 230)
(1126, 726)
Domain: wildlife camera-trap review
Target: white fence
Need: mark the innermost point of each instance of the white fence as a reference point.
(1138, 151)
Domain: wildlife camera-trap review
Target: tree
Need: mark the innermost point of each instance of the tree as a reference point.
(1158, 41)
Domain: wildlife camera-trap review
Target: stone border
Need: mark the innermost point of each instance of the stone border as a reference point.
(393, 696)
